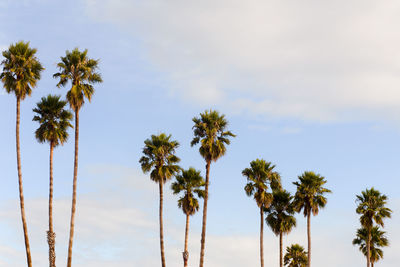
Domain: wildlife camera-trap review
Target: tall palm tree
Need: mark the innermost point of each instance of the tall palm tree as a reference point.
(54, 122)
(310, 198)
(372, 208)
(21, 71)
(260, 177)
(296, 256)
(280, 217)
(378, 240)
(80, 70)
(190, 183)
(160, 160)
(210, 131)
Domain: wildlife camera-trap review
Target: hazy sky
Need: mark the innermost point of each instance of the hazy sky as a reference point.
(307, 85)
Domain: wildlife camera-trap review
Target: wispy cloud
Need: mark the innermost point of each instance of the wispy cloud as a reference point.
(311, 61)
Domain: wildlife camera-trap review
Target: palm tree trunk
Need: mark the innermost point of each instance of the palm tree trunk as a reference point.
(161, 224)
(262, 237)
(21, 191)
(186, 252)
(280, 251)
(73, 208)
(203, 230)
(50, 234)
(369, 247)
(309, 238)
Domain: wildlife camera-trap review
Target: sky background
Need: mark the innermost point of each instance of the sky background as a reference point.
(305, 85)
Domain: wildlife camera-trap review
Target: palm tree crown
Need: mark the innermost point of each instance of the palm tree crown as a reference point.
(310, 192)
(260, 177)
(295, 256)
(190, 183)
(81, 71)
(280, 213)
(54, 120)
(21, 69)
(371, 206)
(210, 130)
(378, 240)
(159, 157)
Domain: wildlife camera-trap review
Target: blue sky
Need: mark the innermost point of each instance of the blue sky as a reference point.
(307, 86)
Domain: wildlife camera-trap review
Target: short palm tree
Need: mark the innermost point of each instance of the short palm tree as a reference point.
(310, 197)
(190, 183)
(261, 177)
(54, 122)
(21, 71)
(296, 256)
(160, 160)
(372, 208)
(210, 131)
(280, 217)
(378, 240)
(80, 70)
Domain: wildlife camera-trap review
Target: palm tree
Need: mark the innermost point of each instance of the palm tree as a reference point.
(280, 217)
(371, 207)
(21, 71)
(296, 256)
(159, 159)
(81, 71)
(310, 198)
(378, 240)
(210, 130)
(54, 122)
(190, 183)
(260, 176)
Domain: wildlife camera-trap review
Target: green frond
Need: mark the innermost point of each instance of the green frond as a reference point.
(21, 69)
(54, 120)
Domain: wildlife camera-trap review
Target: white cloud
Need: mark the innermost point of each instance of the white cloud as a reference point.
(312, 60)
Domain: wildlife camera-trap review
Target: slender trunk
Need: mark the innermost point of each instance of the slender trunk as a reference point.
(186, 252)
(280, 250)
(203, 230)
(51, 236)
(161, 224)
(21, 191)
(262, 237)
(309, 238)
(73, 208)
(369, 247)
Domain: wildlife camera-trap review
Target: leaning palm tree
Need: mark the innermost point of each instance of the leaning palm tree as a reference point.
(310, 198)
(210, 131)
(21, 71)
(54, 122)
(378, 240)
(372, 208)
(280, 217)
(260, 177)
(296, 256)
(80, 70)
(190, 183)
(160, 160)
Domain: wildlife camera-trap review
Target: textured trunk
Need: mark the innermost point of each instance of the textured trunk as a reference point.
(73, 208)
(280, 251)
(161, 225)
(186, 252)
(369, 247)
(203, 230)
(51, 236)
(262, 237)
(309, 238)
(21, 191)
